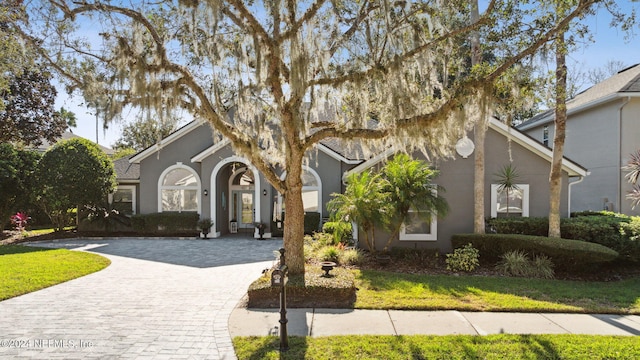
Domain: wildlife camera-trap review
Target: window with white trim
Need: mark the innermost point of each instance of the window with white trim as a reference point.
(124, 199)
(179, 190)
(310, 191)
(512, 203)
(417, 228)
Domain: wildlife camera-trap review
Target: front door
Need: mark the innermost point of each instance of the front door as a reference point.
(243, 208)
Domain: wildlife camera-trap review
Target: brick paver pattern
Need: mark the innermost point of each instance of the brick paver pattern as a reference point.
(159, 299)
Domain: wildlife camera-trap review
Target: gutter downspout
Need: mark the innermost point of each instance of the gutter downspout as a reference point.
(619, 166)
(569, 193)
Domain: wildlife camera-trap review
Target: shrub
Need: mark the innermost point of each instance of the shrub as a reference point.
(311, 222)
(341, 231)
(166, 222)
(517, 263)
(631, 231)
(463, 259)
(543, 267)
(616, 231)
(570, 254)
(329, 253)
(350, 257)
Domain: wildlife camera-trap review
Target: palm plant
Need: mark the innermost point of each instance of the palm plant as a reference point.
(409, 187)
(632, 176)
(363, 202)
(506, 179)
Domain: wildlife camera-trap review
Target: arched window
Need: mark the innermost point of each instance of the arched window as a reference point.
(310, 190)
(179, 189)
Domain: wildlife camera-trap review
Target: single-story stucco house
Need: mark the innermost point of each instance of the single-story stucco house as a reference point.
(188, 171)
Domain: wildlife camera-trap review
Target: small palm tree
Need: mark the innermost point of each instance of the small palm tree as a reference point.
(506, 179)
(409, 187)
(633, 175)
(363, 202)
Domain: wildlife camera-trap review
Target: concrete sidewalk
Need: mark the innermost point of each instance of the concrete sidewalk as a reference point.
(327, 322)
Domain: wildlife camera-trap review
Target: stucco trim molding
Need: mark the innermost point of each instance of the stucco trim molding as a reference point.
(214, 191)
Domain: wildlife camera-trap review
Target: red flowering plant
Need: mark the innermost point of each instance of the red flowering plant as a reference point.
(20, 221)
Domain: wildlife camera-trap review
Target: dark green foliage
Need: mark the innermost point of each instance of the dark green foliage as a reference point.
(104, 218)
(311, 222)
(16, 181)
(73, 173)
(29, 115)
(565, 253)
(341, 231)
(166, 223)
(616, 231)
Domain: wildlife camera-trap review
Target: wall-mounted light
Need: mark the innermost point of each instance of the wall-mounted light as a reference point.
(205, 192)
(264, 192)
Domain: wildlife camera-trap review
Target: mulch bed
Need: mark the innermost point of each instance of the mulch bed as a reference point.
(436, 266)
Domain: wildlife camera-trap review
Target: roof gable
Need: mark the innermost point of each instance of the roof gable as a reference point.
(572, 168)
(626, 83)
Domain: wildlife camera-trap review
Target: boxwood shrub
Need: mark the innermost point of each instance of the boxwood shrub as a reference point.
(616, 231)
(166, 223)
(565, 253)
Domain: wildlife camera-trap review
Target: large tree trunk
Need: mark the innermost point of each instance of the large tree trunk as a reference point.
(294, 219)
(480, 131)
(555, 177)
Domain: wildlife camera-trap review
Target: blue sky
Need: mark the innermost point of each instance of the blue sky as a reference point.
(610, 44)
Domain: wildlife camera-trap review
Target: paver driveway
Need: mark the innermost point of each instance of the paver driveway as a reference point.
(159, 299)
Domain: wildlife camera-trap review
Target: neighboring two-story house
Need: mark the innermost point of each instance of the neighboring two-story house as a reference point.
(603, 128)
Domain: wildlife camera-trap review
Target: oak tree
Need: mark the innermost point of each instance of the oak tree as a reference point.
(295, 72)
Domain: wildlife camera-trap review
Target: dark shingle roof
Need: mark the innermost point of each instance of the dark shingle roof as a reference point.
(126, 170)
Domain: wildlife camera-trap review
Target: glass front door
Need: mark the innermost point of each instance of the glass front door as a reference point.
(243, 209)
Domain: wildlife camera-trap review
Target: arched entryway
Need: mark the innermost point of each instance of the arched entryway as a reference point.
(235, 196)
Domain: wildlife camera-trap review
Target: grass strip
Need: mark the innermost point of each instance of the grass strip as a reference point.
(504, 346)
(24, 269)
(388, 290)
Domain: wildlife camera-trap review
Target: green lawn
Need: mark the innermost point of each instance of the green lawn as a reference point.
(387, 290)
(24, 269)
(511, 347)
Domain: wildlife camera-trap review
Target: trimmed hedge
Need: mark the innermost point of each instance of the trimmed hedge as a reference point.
(616, 231)
(338, 291)
(166, 222)
(311, 222)
(565, 253)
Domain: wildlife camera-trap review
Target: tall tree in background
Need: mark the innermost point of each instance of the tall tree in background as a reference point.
(29, 116)
(610, 68)
(12, 50)
(143, 133)
(479, 132)
(69, 117)
(294, 72)
(560, 122)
